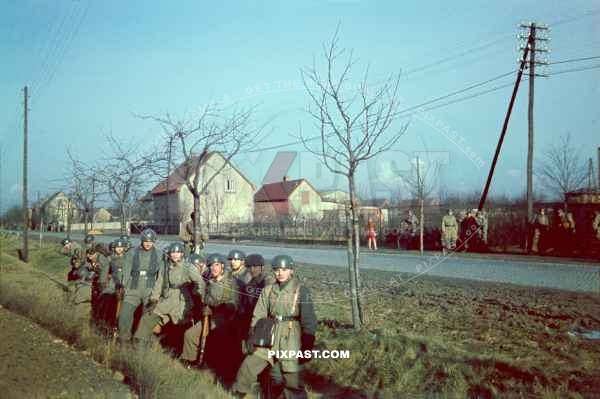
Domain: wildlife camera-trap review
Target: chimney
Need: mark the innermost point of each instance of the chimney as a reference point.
(285, 178)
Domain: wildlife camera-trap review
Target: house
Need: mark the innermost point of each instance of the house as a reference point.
(55, 211)
(102, 215)
(227, 198)
(287, 201)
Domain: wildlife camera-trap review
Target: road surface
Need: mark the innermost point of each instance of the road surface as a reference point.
(565, 275)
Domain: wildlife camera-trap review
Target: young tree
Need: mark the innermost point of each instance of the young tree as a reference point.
(421, 183)
(562, 168)
(125, 174)
(353, 128)
(83, 181)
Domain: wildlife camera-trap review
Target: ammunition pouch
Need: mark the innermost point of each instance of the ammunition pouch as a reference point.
(263, 334)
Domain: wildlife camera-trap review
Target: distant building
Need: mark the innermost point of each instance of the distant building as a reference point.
(287, 201)
(228, 197)
(102, 216)
(54, 211)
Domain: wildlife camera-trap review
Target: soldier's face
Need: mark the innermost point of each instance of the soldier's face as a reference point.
(147, 245)
(283, 274)
(235, 264)
(176, 256)
(216, 269)
(119, 251)
(255, 271)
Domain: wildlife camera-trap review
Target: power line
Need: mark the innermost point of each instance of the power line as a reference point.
(575, 60)
(575, 70)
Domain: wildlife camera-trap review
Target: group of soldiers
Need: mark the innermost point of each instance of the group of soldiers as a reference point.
(555, 231)
(227, 313)
(468, 232)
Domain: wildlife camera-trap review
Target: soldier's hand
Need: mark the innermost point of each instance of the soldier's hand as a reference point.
(206, 311)
(150, 306)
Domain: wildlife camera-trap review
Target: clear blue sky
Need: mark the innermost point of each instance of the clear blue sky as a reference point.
(92, 65)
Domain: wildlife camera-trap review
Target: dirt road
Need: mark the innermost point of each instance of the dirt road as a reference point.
(36, 364)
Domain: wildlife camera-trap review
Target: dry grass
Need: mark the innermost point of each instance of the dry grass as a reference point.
(431, 337)
(151, 373)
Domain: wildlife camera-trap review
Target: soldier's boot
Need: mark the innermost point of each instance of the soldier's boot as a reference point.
(294, 387)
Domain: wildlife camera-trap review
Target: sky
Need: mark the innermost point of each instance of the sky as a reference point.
(91, 67)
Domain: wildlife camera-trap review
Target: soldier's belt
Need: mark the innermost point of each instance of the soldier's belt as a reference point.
(286, 318)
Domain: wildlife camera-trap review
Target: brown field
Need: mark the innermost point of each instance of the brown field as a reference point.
(430, 337)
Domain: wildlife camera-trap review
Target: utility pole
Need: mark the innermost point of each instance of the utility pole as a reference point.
(533, 38)
(590, 174)
(25, 253)
(504, 126)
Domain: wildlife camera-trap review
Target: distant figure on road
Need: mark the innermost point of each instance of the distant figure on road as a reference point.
(541, 226)
(412, 225)
(482, 222)
(371, 235)
(566, 230)
(596, 224)
(449, 230)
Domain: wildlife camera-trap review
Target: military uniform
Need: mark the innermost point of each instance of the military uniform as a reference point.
(449, 231)
(175, 304)
(142, 272)
(290, 305)
(222, 297)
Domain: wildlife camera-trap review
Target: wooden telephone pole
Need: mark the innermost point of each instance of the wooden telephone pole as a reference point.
(534, 38)
(25, 252)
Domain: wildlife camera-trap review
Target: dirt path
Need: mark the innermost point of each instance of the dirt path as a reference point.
(36, 364)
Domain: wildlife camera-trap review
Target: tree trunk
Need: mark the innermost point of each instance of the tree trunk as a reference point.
(197, 219)
(123, 219)
(421, 219)
(351, 276)
(355, 255)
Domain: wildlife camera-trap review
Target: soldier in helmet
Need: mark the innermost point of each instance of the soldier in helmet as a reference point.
(221, 300)
(174, 305)
(286, 303)
(70, 248)
(237, 261)
(251, 291)
(125, 239)
(99, 265)
(110, 279)
(142, 271)
(74, 252)
(89, 241)
(449, 230)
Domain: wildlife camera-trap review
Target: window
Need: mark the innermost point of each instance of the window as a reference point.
(305, 198)
(230, 186)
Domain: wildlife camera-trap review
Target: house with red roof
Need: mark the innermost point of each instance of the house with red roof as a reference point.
(287, 200)
(227, 198)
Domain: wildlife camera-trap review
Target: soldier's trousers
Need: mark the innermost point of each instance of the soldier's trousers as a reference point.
(145, 329)
(191, 342)
(253, 365)
(126, 320)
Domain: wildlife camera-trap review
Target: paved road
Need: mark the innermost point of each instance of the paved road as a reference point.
(571, 276)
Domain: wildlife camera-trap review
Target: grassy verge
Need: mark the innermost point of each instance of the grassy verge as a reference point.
(151, 373)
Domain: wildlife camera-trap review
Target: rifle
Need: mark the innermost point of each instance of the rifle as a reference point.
(205, 330)
(115, 332)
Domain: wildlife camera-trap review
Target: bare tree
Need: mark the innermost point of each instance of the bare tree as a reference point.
(353, 127)
(421, 183)
(125, 173)
(83, 181)
(214, 132)
(562, 168)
